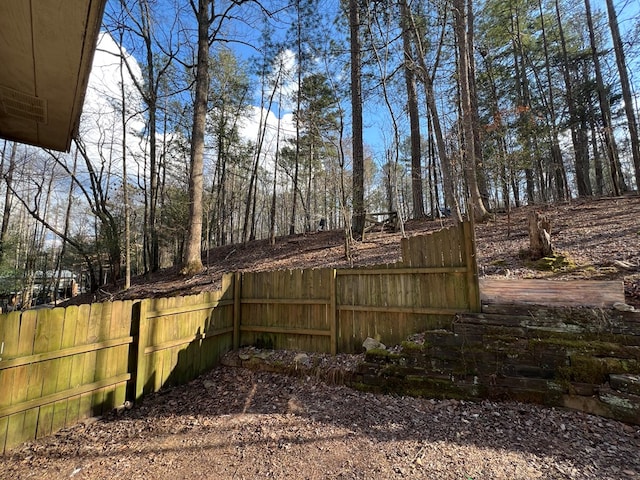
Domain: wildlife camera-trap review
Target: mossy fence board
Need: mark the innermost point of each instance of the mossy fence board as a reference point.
(61, 365)
(181, 337)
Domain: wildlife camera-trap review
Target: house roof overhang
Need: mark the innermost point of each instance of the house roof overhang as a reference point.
(46, 51)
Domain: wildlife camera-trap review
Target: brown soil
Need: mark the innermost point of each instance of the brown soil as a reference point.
(600, 238)
(240, 424)
(234, 423)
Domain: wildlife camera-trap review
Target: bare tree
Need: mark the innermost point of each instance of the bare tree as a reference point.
(356, 112)
(611, 147)
(192, 260)
(209, 25)
(8, 178)
(461, 24)
(625, 85)
(414, 114)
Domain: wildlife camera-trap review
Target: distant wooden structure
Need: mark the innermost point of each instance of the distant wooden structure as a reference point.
(383, 220)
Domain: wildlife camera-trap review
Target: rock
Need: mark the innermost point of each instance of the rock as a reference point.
(371, 344)
(301, 358)
(623, 307)
(624, 265)
(625, 383)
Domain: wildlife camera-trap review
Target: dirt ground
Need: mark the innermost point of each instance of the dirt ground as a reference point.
(235, 423)
(601, 239)
(239, 424)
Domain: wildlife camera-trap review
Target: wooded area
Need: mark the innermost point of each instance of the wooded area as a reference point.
(210, 123)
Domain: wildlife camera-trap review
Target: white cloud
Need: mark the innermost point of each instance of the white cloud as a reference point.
(101, 119)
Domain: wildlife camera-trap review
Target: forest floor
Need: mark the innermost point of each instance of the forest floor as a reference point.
(599, 239)
(235, 423)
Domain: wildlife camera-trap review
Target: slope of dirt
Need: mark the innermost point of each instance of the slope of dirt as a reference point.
(600, 238)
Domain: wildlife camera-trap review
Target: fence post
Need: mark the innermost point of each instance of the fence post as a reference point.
(237, 286)
(333, 314)
(143, 338)
(473, 287)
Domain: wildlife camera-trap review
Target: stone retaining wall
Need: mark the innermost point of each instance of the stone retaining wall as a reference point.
(584, 359)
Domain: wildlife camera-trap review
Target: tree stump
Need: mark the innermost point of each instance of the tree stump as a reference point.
(539, 236)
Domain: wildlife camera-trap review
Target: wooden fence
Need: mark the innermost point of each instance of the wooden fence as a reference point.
(61, 365)
(327, 310)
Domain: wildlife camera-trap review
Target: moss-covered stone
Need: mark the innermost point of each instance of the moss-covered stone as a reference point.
(554, 263)
(595, 370)
(377, 355)
(591, 347)
(413, 347)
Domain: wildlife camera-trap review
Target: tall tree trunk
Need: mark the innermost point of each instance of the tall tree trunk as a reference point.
(192, 260)
(356, 112)
(481, 174)
(625, 85)
(445, 163)
(464, 51)
(557, 167)
(125, 182)
(578, 133)
(6, 213)
(524, 105)
(597, 157)
(414, 114)
(611, 147)
(272, 213)
(292, 223)
(152, 100)
(67, 222)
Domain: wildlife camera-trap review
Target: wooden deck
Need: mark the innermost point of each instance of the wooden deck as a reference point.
(552, 293)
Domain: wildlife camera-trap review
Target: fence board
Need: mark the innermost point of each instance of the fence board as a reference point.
(70, 317)
(14, 382)
(179, 337)
(77, 363)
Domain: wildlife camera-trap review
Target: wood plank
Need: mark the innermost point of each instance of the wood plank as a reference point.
(286, 330)
(414, 310)
(186, 340)
(9, 343)
(286, 301)
(470, 260)
(64, 366)
(55, 319)
(399, 271)
(48, 399)
(237, 293)
(571, 293)
(92, 404)
(65, 352)
(332, 313)
(77, 364)
(10, 380)
(22, 426)
(121, 326)
(191, 308)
